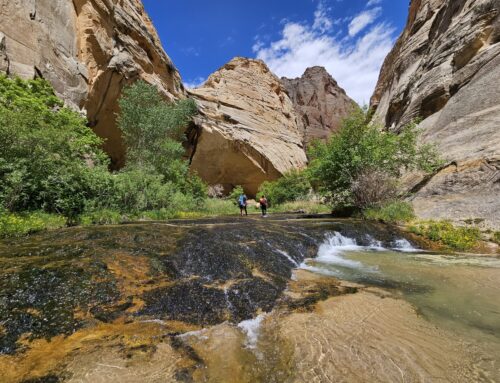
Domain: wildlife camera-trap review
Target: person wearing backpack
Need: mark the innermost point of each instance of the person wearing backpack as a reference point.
(242, 202)
(263, 205)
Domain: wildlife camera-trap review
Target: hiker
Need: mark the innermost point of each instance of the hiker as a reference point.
(242, 202)
(263, 205)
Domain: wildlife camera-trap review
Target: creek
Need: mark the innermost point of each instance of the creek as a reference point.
(284, 299)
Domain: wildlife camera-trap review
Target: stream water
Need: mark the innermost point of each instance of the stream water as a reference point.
(245, 300)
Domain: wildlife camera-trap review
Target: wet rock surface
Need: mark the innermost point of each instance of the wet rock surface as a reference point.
(200, 300)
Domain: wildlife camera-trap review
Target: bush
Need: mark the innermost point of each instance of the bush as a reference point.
(235, 194)
(48, 156)
(360, 146)
(373, 187)
(12, 225)
(393, 212)
(496, 237)
(291, 187)
(101, 217)
(458, 238)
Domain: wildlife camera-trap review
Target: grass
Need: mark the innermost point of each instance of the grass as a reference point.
(397, 212)
(496, 237)
(16, 225)
(454, 237)
(306, 206)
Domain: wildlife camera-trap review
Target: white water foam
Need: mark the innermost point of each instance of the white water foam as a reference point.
(404, 245)
(251, 328)
(287, 256)
(330, 251)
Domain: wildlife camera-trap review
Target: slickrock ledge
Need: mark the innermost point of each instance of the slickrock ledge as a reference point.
(247, 131)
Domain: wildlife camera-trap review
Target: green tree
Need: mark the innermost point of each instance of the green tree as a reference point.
(48, 156)
(360, 147)
(153, 131)
(293, 186)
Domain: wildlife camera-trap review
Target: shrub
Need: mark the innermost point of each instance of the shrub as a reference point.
(393, 212)
(12, 225)
(361, 146)
(373, 187)
(101, 217)
(48, 155)
(458, 238)
(496, 237)
(292, 186)
(235, 194)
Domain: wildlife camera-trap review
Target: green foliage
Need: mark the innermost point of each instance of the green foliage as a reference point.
(496, 237)
(457, 238)
(360, 145)
(396, 212)
(48, 156)
(12, 225)
(101, 217)
(235, 194)
(292, 186)
(153, 129)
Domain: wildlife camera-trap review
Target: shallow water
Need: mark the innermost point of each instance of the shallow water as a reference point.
(226, 301)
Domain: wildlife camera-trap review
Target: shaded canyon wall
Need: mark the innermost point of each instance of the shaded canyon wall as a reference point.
(88, 50)
(445, 68)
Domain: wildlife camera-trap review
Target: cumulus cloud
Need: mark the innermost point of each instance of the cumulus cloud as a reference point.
(354, 61)
(362, 20)
(194, 83)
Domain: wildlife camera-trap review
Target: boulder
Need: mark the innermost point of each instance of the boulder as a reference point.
(247, 131)
(320, 101)
(445, 69)
(88, 50)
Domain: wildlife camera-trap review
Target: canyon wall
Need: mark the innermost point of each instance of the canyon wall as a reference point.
(247, 131)
(320, 101)
(88, 50)
(445, 69)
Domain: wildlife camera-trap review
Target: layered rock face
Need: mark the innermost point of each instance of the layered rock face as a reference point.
(247, 131)
(320, 101)
(445, 68)
(88, 50)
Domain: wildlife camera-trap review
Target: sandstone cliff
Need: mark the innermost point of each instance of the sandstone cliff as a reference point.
(247, 131)
(320, 102)
(445, 68)
(88, 49)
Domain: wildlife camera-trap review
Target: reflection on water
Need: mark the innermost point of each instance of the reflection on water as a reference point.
(225, 301)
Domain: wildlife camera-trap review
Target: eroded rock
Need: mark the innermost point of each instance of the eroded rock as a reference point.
(445, 69)
(88, 50)
(247, 131)
(320, 101)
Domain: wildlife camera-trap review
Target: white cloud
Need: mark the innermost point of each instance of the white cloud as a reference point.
(194, 83)
(373, 2)
(362, 20)
(354, 62)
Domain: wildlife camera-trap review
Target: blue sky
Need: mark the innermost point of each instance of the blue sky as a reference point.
(348, 37)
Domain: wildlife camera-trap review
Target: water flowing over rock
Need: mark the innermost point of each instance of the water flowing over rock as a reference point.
(445, 69)
(320, 101)
(247, 131)
(88, 50)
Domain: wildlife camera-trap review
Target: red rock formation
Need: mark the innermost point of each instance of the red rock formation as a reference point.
(320, 102)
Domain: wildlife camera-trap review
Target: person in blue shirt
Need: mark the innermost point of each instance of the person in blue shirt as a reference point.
(242, 202)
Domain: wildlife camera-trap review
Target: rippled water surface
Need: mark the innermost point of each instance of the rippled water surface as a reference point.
(245, 300)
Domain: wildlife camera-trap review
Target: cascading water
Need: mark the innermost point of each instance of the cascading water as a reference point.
(241, 301)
